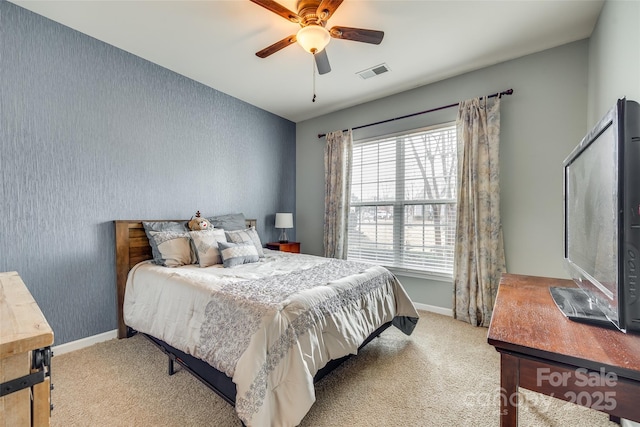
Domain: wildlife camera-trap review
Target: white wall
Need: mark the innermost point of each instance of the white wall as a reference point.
(541, 123)
(614, 58)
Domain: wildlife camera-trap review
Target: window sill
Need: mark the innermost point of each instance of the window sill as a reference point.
(421, 274)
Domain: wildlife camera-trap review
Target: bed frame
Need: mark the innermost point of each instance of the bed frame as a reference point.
(132, 247)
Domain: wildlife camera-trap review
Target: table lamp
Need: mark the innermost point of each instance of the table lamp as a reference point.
(284, 221)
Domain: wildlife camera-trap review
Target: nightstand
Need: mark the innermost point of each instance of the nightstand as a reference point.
(285, 247)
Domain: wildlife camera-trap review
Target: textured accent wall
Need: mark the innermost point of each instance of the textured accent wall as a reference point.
(91, 134)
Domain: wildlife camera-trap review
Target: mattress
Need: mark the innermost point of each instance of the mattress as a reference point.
(270, 325)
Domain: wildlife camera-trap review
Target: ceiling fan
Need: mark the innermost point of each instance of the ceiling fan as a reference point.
(312, 17)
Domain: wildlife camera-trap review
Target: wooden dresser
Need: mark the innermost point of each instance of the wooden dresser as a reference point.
(543, 351)
(25, 355)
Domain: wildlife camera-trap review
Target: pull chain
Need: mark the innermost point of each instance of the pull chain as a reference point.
(313, 71)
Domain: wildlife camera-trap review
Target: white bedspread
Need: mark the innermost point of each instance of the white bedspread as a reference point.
(269, 325)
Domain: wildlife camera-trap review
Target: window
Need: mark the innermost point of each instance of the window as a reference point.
(403, 200)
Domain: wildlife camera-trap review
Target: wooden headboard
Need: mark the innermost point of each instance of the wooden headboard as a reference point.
(132, 247)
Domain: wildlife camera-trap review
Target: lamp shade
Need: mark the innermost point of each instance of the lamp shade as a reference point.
(313, 38)
(284, 220)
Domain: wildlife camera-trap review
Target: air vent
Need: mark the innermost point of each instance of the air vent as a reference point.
(373, 71)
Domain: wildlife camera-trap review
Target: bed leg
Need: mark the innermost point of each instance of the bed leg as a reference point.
(170, 367)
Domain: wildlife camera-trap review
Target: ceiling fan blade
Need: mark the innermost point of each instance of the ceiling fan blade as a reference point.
(357, 34)
(278, 9)
(322, 61)
(276, 46)
(326, 8)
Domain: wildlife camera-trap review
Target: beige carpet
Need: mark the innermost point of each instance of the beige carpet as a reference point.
(443, 374)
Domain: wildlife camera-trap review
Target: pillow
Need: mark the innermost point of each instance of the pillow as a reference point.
(229, 222)
(173, 246)
(237, 253)
(160, 226)
(246, 235)
(205, 243)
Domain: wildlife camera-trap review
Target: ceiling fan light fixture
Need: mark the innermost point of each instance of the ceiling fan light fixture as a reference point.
(313, 38)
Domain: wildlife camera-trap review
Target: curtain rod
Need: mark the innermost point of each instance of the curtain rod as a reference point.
(499, 94)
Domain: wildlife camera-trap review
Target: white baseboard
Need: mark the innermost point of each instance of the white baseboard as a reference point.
(84, 342)
(434, 309)
(628, 423)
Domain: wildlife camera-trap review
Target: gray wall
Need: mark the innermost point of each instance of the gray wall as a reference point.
(90, 134)
(614, 65)
(614, 58)
(541, 123)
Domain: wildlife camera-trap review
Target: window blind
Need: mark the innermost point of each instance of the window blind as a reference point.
(403, 200)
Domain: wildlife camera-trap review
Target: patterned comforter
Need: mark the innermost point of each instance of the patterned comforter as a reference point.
(270, 325)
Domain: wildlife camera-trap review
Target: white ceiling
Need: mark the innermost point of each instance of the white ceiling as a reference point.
(214, 43)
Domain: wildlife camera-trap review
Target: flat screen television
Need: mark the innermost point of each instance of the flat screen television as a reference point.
(602, 223)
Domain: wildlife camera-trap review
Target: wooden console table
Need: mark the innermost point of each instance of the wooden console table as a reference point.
(25, 338)
(543, 351)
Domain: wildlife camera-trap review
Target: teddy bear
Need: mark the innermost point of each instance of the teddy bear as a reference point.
(199, 223)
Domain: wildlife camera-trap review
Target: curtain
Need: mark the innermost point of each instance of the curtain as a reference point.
(479, 249)
(337, 173)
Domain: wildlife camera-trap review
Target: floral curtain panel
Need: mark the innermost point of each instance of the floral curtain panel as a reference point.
(479, 250)
(337, 172)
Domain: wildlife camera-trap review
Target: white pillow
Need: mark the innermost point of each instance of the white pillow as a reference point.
(173, 247)
(247, 235)
(205, 243)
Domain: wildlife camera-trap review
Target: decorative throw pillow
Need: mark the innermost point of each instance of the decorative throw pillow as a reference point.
(246, 235)
(205, 243)
(229, 222)
(237, 253)
(160, 226)
(173, 246)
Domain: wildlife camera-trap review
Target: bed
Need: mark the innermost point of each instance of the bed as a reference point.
(262, 333)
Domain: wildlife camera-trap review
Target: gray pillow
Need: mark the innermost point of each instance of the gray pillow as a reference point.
(161, 226)
(237, 253)
(229, 222)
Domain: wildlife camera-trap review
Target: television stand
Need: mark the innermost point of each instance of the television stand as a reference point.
(543, 351)
(577, 305)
